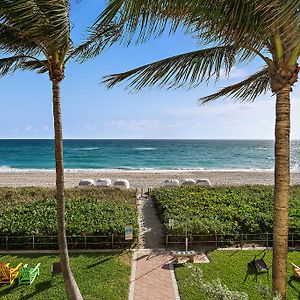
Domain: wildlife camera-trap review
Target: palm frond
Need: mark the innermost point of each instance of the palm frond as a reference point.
(38, 20)
(189, 69)
(39, 66)
(11, 64)
(246, 90)
(229, 20)
(97, 40)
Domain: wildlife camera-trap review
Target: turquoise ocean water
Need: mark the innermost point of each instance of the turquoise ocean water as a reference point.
(16, 155)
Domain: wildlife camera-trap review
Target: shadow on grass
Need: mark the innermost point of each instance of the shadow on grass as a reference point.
(99, 262)
(39, 287)
(6, 291)
(292, 286)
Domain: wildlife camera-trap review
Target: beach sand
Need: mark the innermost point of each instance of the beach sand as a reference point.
(143, 179)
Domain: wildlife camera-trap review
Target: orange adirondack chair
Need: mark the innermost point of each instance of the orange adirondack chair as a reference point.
(9, 274)
(296, 271)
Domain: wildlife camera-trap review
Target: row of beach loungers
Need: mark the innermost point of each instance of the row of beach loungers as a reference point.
(124, 183)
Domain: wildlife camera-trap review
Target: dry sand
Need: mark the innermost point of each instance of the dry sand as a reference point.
(142, 179)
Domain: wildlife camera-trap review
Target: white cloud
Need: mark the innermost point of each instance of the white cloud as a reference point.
(142, 124)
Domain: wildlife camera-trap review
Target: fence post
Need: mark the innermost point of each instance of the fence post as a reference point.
(167, 240)
(33, 242)
(292, 240)
(267, 239)
(112, 241)
(216, 240)
(6, 242)
(191, 240)
(84, 241)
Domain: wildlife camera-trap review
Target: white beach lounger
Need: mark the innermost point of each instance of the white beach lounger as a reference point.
(171, 182)
(188, 181)
(122, 184)
(203, 182)
(103, 182)
(84, 183)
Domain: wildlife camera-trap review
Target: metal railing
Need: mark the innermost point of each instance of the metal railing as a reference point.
(225, 240)
(35, 242)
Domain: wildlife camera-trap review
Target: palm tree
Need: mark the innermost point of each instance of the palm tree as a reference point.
(36, 35)
(240, 30)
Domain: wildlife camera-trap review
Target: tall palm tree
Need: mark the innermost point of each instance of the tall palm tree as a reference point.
(36, 36)
(239, 30)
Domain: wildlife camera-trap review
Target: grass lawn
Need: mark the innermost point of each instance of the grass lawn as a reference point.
(231, 268)
(99, 276)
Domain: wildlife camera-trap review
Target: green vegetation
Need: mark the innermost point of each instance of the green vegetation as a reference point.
(231, 268)
(223, 210)
(27, 211)
(99, 276)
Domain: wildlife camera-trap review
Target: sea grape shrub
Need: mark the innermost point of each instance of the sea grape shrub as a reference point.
(221, 210)
(91, 212)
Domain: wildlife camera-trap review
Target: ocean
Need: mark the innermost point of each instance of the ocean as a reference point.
(91, 155)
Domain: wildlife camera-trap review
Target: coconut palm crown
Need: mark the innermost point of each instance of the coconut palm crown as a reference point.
(240, 30)
(36, 35)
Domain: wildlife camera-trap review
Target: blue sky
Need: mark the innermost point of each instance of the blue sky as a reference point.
(91, 111)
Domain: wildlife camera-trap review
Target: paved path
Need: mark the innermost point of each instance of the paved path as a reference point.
(151, 229)
(152, 276)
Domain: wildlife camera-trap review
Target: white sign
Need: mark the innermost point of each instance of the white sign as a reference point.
(171, 222)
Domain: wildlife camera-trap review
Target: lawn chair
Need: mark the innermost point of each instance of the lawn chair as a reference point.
(9, 274)
(28, 275)
(296, 271)
(259, 265)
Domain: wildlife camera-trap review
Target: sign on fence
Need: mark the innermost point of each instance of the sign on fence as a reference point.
(171, 223)
(128, 233)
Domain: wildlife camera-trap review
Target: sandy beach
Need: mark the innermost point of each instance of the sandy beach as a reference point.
(142, 179)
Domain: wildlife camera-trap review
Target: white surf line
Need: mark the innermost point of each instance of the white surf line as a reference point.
(132, 277)
(174, 282)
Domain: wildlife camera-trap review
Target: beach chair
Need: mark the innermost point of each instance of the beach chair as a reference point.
(259, 265)
(9, 274)
(28, 275)
(296, 271)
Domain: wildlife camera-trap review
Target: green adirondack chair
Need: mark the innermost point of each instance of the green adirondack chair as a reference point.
(27, 275)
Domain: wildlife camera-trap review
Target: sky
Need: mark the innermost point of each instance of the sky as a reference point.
(91, 111)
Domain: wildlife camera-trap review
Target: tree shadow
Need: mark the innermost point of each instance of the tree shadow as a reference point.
(39, 287)
(292, 286)
(99, 262)
(6, 291)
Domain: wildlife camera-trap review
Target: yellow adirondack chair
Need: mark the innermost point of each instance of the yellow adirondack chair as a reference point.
(9, 274)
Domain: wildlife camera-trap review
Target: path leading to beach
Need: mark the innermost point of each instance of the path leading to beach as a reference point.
(152, 270)
(151, 229)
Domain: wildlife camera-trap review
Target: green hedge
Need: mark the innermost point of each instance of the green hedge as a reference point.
(222, 210)
(30, 211)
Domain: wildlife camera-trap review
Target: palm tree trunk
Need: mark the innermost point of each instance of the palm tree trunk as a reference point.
(282, 187)
(73, 292)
